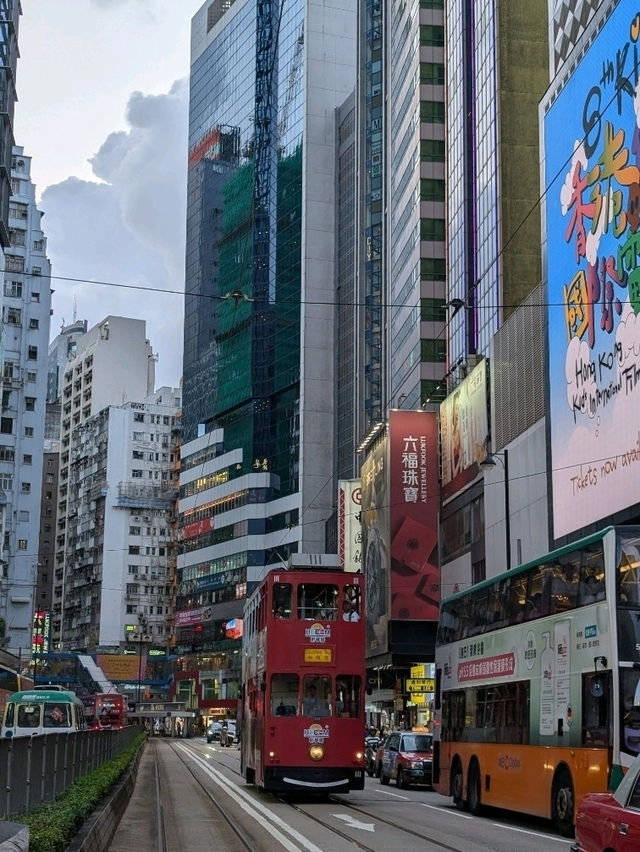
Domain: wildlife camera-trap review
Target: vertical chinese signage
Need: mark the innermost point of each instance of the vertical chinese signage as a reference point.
(414, 507)
(349, 524)
(592, 191)
(375, 544)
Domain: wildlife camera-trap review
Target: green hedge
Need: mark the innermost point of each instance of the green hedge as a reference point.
(53, 826)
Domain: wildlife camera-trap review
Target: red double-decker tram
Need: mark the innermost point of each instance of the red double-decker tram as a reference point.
(303, 682)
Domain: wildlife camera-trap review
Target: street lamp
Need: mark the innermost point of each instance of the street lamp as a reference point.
(488, 463)
(142, 638)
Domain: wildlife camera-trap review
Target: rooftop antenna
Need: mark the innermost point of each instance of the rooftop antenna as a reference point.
(75, 309)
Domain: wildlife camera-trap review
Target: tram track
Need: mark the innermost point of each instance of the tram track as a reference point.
(246, 841)
(331, 827)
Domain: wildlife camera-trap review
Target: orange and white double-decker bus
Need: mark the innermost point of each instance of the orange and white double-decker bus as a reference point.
(303, 677)
(538, 680)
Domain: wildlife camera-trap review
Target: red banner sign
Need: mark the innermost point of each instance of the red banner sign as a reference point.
(503, 665)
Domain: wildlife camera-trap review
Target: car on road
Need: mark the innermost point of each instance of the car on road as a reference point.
(611, 821)
(407, 757)
(228, 734)
(213, 731)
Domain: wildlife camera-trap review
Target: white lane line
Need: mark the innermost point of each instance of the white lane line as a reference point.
(395, 795)
(445, 810)
(532, 833)
(263, 816)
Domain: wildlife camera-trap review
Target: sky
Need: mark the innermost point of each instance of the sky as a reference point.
(102, 111)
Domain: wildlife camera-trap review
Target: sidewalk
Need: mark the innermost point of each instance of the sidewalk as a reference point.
(138, 828)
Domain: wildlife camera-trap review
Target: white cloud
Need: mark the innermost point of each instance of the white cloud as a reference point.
(129, 229)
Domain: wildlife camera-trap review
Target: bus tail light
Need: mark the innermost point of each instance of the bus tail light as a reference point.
(316, 752)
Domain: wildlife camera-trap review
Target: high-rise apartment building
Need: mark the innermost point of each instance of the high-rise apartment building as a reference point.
(266, 79)
(113, 364)
(26, 307)
(10, 11)
(119, 524)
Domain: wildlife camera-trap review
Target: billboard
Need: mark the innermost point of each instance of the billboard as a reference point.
(464, 428)
(592, 190)
(375, 545)
(349, 524)
(413, 508)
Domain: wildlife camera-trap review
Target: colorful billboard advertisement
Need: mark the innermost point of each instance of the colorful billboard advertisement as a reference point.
(375, 545)
(349, 524)
(592, 190)
(464, 428)
(414, 505)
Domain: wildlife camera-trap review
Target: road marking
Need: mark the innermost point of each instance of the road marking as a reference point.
(354, 823)
(262, 815)
(532, 833)
(445, 810)
(395, 795)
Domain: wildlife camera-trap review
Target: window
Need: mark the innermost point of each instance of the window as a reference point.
(433, 349)
(282, 600)
(13, 289)
(16, 236)
(38, 245)
(6, 481)
(432, 111)
(27, 458)
(30, 403)
(6, 425)
(432, 229)
(13, 316)
(318, 601)
(433, 268)
(34, 324)
(32, 353)
(431, 190)
(284, 694)
(32, 377)
(26, 488)
(36, 270)
(134, 530)
(35, 297)
(138, 417)
(134, 549)
(431, 35)
(136, 474)
(7, 453)
(22, 544)
(28, 431)
(432, 73)
(432, 310)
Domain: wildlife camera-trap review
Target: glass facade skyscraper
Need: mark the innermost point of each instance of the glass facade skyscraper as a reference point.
(266, 79)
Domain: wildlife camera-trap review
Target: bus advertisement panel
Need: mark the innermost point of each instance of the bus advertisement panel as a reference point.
(536, 678)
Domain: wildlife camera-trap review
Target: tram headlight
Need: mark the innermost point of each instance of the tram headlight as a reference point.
(316, 752)
(358, 756)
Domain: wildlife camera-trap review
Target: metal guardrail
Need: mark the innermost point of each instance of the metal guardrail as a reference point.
(37, 769)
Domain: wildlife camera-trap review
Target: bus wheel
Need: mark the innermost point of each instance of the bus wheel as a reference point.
(457, 787)
(562, 803)
(473, 788)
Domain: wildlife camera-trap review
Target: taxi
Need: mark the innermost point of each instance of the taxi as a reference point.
(407, 757)
(611, 820)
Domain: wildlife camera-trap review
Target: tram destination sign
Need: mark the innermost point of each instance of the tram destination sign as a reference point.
(318, 655)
